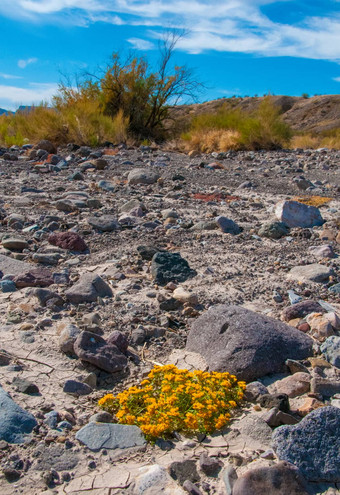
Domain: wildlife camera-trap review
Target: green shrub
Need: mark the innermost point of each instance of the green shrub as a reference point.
(236, 129)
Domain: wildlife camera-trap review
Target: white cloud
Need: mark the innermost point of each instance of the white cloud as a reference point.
(337, 79)
(140, 44)
(9, 76)
(12, 96)
(229, 25)
(24, 63)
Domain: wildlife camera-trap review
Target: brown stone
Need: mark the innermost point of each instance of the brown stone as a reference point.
(301, 309)
(38, 277)
(293, 386)
(309, 405)
(68, 240)
(97, 351)
(281, 479)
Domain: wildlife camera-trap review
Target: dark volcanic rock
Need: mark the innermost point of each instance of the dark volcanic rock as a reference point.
(313, 445)
(67, 240)
(282, 479)
(25, 386)
(147, 252)
(46, 145)
(95, 350)
(88, 288)
(170, 267)
(38, 277)
(244, 343)
(301, 309)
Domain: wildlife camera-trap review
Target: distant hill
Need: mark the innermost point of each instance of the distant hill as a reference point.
(3, 111)
(316, 114)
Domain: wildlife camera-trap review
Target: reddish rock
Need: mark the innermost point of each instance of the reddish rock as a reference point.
(67, 240)
(95, 350)
(301, 309)
(38, 277)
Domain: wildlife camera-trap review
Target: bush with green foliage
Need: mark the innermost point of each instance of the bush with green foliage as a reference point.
(236, 129)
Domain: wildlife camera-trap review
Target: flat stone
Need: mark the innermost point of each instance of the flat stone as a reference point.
(68, 240)
(313, 445)
(97, 351)
(244, 343)
(142, 176)
(104, 223)
(295, 214)
(38, 277)
(331, 350)
(97, 436)
(311, 273)
(11, 266)
(15, 422)
(281, 479)
(87, 289)
(14, 243)
(293, 385)
(54, 457)
(170, 267)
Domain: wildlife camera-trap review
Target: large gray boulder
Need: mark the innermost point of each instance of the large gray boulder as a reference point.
(295, 214)
(87, 289)
(15, 422)
(98, 436)
(313, 445)
(244, 343)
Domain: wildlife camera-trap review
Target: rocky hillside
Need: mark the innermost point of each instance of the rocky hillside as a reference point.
(316, 114)
(117, 259)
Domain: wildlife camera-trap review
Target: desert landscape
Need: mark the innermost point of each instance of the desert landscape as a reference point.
(119, 258)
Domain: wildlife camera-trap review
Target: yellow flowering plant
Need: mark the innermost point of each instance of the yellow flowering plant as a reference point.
(173, 399)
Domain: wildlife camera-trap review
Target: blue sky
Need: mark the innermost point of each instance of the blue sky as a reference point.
(237, 47)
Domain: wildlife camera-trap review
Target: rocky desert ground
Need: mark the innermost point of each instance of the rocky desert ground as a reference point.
(118, 258)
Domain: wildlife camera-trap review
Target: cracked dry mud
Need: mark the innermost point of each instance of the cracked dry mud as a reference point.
(176, 213)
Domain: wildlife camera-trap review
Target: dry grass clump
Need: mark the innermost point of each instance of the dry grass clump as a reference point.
(313, 200)
(329, 139)
(233, 129)
(82, 123)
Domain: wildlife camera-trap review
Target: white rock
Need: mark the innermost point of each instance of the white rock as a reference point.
(295, 214)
